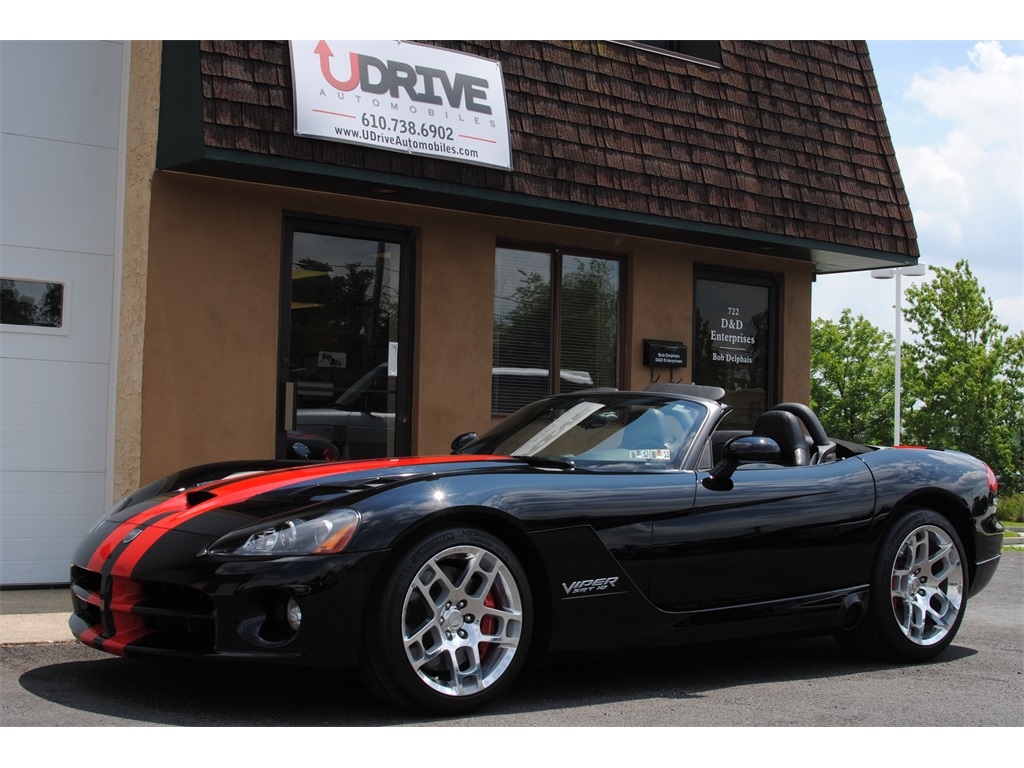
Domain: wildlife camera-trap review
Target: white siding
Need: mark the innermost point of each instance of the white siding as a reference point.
(60, 155)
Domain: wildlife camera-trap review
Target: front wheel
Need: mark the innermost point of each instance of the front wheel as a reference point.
(918, 591)
(449, 629)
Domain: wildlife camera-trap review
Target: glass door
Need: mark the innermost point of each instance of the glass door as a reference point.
(735, 347)
(344, 356)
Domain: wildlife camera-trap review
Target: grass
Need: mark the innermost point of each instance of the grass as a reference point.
(1011, 512)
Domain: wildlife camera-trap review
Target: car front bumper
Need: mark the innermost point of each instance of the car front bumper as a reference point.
(228, 608)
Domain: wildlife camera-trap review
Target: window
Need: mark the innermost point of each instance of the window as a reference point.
(707, 52)
(553, 311)
(32, 303)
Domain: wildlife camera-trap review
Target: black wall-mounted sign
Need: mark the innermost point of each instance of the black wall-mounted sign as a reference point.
(670, 354)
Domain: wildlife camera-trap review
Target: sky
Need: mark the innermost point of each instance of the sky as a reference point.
(955, 110)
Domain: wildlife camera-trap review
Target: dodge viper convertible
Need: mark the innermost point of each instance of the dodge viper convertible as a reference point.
(594, 523)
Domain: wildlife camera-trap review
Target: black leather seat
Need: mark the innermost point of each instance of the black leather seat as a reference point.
(784, 428)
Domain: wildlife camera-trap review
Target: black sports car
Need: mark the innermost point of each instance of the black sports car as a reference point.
(597, 522)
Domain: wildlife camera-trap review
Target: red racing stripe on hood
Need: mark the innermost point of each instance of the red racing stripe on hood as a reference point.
(175, 511)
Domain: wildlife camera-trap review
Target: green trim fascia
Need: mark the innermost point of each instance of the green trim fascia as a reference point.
(181, 104)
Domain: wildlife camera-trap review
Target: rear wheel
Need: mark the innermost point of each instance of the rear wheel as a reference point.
(449, 629)
(918, 591)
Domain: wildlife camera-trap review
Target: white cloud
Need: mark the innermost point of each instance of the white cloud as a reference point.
(978, 167)
(938, 190)
(959, 135)
(967, 188)
(984, 99)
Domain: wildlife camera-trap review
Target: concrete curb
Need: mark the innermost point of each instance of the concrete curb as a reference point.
(34, 616)
(35, 628)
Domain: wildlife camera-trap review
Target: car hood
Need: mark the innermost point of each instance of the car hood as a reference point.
(249, 497)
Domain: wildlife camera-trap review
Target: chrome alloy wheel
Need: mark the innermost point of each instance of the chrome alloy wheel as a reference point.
(927, 585)
(462, 620)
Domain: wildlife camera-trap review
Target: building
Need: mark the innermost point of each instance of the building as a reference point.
(372, 284)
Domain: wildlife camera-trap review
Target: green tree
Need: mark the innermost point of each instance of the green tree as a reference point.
(964, 373)
(588, 313)
(522, 338)
(852, 379)
(349, 312)
(590, 318)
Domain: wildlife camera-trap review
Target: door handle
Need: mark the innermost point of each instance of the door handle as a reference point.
(289, 406)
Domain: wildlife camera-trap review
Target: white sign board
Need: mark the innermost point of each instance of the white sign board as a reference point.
(402, 97)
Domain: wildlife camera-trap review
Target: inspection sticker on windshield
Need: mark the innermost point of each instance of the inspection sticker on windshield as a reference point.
(651, 454)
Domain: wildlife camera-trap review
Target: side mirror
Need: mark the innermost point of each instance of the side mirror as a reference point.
(462, 441)
(741, 450)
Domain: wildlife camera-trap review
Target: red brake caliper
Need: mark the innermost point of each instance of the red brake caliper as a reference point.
(487, 625)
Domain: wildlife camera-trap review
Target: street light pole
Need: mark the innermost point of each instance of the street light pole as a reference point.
(888, 274)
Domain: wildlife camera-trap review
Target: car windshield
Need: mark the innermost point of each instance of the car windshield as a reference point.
(599, 430)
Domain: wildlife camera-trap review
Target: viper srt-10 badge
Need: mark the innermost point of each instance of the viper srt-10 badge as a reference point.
(589, 586)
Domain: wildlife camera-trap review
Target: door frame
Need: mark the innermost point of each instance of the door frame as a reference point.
(322, 225)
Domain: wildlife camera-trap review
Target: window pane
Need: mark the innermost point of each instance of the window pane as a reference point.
(31, 302)
(589, 340)
(522, 329)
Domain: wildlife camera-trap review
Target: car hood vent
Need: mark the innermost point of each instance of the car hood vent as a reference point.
(334, 490)
(198, 497)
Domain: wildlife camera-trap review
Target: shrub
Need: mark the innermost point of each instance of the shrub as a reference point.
(1011, 508)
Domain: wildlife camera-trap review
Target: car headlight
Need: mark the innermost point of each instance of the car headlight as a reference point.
(323, 534)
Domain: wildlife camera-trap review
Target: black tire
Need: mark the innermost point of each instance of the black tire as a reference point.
(449, 629)
(918, 592)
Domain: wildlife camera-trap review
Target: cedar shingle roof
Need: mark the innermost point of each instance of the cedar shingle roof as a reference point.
(786, 143)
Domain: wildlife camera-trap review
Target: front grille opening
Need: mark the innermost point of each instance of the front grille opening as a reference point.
(181, 618)
(175, 597)
(174, 617)
(85, 595)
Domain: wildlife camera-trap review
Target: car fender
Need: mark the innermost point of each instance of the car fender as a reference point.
(951, 483)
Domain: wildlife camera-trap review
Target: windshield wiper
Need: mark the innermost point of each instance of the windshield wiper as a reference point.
(546, 462)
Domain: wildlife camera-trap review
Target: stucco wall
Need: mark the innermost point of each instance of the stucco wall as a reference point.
(140, 159)
(209, 386)
(455, 301)
(211, 323)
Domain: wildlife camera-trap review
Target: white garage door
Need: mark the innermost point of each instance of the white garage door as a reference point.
(60, 155)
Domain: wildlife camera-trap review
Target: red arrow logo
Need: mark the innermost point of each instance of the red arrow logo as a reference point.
(324, 52)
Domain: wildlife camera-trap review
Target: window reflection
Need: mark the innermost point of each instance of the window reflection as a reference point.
(31, 303)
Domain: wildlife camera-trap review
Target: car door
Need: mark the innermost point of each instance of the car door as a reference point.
(775, 532)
